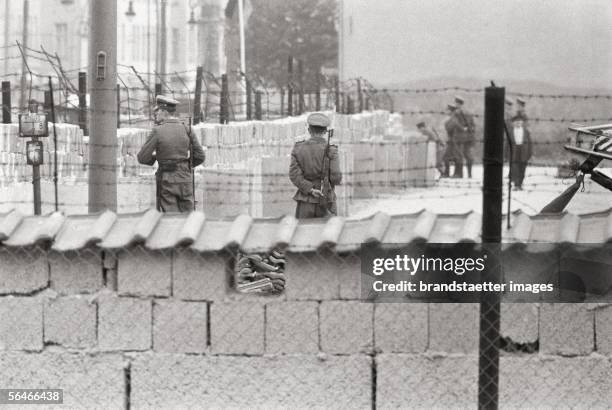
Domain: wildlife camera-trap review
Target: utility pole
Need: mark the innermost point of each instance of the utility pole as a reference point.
(162, 58)
(103, 118)
(26, 9)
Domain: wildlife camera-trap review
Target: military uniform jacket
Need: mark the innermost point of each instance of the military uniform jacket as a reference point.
(306, 168)
(453, 129)
(466, 132)
(170, 142)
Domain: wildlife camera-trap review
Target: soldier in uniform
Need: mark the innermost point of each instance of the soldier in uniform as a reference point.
(171, 145)
(451, 154)
(306, 170)
(466, 135)
(432, 136)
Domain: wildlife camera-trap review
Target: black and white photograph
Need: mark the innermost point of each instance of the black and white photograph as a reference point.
(298, 204)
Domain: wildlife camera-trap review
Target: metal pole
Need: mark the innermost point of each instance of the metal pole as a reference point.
(290, 86)
(301, 85)
(118, 106)
(103, 99)
(258, 105)
(83, 101)
(24, 41)
(162, 61)
(224, 112)
(318, 92)
(488, 363)
(337, 95)
(359, 94)
(6, 102)
(249, 111)
(54, 146)
(197, 118)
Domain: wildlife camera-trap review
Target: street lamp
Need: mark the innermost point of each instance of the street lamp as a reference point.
(130, 12)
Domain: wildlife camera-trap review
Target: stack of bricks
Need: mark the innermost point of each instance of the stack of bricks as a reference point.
(163, 329)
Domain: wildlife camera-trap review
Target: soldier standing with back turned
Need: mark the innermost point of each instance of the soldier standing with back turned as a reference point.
(306, 170)
(171, 145)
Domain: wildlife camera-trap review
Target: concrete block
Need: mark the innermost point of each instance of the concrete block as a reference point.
(418, 381)
(23, 270)
(346, 327)
(172, 381)
(454, 327)
(76, 272)
(292, 327)
(519, 322)
(566, 329)
(88, 381)
(124, 323)
(603, 329)
(348, 268)
(555, 382)
(400, 327)
(179, 327)
(144, 273)
(237, 328)
(199, 276)
(312, 276)
(21, 326)
(70, 322)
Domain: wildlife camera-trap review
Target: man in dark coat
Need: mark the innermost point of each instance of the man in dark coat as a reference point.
(306, 170)
(465, 135)
(170, 144)
(521, 150)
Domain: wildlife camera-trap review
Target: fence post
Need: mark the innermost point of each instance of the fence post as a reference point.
(258, 105)
(6, 102)
(118, 106)
(249, 111)
(337, 95)
(318, 92)
(301, 87)
(47, 104)
(489, 341)
(224, 109)
(290, 86)
(282, 101)
(158, 89)
(83, 101)
(359, 95)
(197, 97)
(350, 105)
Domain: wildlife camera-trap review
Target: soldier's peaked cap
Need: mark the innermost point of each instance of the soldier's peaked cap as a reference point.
(459, 100)
(166, 103)
(509, 101)
(520, 101)
(451, 106)
(318, 119)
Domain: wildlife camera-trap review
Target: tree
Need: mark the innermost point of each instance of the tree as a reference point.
(304, 29)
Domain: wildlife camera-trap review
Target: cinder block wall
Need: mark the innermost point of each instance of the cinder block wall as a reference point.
(162, 329)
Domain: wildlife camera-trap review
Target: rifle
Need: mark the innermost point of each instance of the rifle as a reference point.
(189, 134)
(326, 187)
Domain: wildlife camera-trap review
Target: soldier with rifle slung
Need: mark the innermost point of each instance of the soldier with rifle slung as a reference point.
(176, 152)
(466, 136)
(315, 170)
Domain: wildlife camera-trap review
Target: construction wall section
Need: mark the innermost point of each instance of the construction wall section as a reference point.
(161, 329)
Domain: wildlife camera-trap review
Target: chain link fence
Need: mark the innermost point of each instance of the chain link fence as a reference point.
(135, 327)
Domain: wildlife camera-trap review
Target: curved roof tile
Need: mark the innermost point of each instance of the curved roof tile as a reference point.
(162, 231)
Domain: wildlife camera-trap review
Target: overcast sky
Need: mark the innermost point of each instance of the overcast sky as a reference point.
(565, 42)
